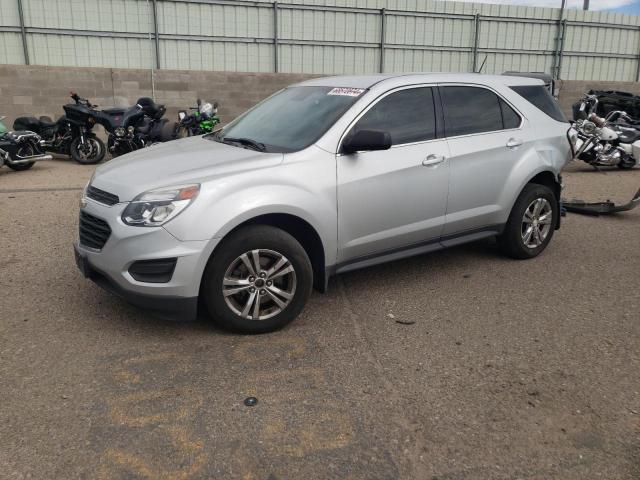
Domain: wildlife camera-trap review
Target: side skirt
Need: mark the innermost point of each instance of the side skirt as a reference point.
(415, 249)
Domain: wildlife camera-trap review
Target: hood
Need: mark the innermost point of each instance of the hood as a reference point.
(189, 160)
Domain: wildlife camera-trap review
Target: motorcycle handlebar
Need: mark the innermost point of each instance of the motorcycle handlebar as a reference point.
(600, 122)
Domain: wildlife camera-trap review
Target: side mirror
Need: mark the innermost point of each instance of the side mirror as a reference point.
(367, 141)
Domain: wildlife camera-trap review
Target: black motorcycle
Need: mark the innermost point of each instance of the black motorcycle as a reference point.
(135, 127)
(20, 150)
(71, 134)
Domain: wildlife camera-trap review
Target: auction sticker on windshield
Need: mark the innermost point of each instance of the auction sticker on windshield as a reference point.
(346, 92)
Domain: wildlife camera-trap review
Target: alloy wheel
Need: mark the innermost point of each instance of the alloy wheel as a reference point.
(259, 284)
(536, 222)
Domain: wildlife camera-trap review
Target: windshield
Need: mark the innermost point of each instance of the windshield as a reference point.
(290, 120)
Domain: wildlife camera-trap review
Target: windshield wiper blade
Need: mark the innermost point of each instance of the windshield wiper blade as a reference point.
(247, 142)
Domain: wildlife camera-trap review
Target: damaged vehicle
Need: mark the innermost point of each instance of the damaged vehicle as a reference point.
(240, 224)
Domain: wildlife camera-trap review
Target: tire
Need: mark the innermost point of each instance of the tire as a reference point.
(22, 167)
(273, 246)
(625, 166)
(24, 150)
(182, 132)
(95, 155)
(513, 242)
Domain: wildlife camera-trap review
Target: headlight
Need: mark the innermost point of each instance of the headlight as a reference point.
(157, 207)
(119, 132)
(130, 129)
(588, 128)
(181, 115)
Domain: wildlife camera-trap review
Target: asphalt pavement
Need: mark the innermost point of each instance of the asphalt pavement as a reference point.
(460, 364)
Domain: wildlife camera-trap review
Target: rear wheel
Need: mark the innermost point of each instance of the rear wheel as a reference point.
(21, 167)
(88, 153)
(626, 165)
(531, 223)
(258, 280)
(24, 150)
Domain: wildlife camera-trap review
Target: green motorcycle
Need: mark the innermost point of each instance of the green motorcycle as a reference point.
(203, 120)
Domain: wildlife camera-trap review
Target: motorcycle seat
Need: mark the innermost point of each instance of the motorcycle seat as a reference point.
(629, 136)
(45, 125)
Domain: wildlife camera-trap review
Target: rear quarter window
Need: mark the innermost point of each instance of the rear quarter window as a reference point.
(539, 96)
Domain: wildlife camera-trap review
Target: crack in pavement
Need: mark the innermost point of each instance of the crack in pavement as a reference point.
(417, 469)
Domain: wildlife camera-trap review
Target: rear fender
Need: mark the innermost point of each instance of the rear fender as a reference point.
(529, 165)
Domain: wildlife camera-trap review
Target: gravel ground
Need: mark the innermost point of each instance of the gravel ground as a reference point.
(502, 369)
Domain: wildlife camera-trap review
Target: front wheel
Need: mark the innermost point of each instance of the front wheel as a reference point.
(531, 223)
(88, 153)
(258, 280)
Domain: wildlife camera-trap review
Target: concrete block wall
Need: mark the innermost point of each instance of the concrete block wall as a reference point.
(41, 90)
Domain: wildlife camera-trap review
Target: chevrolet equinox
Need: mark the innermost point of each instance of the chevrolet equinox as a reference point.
(324, 177)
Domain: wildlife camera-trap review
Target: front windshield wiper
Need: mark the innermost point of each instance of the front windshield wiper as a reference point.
(247, 142)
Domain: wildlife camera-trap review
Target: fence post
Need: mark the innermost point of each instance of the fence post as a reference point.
(383, 25)
(275, 36)
(561, 49)
(476, 34)
(557, 54)
(23, 32)
(155, 33)
(638, 65)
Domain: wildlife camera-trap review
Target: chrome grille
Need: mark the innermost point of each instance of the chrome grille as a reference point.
(101, 196)
(94, 232)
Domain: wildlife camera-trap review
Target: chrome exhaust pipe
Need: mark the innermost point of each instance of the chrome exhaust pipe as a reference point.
(34, 158)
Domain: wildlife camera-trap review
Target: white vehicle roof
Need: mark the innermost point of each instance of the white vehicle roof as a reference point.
(397, 80)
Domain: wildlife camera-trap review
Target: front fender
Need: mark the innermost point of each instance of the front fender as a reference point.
(220, 212)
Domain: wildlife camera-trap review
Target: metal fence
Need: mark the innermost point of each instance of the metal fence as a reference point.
(320, 36)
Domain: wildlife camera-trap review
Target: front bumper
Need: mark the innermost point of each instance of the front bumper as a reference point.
(109, 266)
(170, 308)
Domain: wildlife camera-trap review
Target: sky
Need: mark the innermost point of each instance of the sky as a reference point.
(621, 6)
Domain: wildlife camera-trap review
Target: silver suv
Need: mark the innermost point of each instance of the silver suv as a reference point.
(323, 177)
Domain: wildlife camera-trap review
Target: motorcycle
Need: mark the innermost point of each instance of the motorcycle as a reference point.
(71, 134)
(19, 150)
(606, 141)
(603, 102)
(135, 127)
(202, 120)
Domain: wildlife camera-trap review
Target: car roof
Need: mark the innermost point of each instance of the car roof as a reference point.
(398, 79)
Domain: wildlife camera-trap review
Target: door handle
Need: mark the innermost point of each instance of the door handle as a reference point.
(514, 142)
(433, 160)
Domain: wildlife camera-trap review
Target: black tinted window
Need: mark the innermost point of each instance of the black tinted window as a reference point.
(408, 116)
(541, 98)
(470, 110)
(510, 119)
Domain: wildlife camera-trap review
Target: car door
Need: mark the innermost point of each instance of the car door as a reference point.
(486, 138)
(394, 199)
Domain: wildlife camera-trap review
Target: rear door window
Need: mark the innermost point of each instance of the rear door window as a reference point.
(469, 110)
(408, 115)
(539, 96)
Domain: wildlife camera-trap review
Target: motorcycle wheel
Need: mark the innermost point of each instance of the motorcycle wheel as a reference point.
(23, 151)
(92, 152)
(182, 132)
